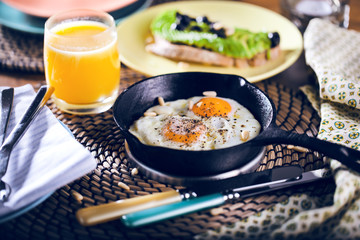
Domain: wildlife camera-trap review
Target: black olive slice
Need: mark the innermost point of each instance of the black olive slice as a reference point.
(275, 39)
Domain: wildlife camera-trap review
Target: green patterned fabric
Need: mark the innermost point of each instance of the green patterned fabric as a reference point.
(334, 55)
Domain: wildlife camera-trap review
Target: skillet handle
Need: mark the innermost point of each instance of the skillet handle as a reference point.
(348, 156)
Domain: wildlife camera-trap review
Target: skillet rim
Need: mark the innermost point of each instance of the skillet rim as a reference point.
(127, 133)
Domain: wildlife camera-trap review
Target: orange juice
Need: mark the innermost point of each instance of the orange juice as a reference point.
(82, 64)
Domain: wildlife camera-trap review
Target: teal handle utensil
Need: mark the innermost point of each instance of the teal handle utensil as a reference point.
(141, 218)
(157, 214)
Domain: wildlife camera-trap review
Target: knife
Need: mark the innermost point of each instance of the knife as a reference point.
(106, 212)
(7, 96)
(148, 216)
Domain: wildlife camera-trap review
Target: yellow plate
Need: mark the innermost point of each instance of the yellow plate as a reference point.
(134, 31)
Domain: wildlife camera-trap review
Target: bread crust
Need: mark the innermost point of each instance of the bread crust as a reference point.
(180, 52)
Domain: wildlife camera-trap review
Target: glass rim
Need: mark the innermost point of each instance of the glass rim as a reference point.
(74, 18)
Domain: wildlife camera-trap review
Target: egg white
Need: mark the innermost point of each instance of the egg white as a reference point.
(221, 132)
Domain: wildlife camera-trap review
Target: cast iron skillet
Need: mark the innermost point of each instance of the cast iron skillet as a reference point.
(134, 101)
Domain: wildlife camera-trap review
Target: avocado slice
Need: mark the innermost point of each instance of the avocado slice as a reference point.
(199, 32)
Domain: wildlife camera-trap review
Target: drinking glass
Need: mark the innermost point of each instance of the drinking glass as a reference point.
(82, 60)
(300, 12)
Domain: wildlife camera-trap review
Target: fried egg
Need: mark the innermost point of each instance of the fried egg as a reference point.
(197, 123)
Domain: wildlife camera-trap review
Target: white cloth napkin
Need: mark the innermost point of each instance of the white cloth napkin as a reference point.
(46, 158)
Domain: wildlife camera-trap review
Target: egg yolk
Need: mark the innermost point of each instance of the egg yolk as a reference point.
(212, 106)
(183, 130)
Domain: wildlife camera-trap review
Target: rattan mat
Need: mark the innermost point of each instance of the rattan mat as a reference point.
(21, 51)
(55, 218)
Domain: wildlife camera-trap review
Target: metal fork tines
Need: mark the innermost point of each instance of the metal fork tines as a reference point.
(7, 97)
(39, 101)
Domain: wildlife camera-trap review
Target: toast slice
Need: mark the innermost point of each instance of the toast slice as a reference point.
(184, 53)
(181, 38)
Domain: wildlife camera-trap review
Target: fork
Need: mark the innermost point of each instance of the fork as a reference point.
(39, 101)
(7, 97)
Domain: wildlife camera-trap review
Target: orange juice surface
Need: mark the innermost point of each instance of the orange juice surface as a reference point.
(82, 62)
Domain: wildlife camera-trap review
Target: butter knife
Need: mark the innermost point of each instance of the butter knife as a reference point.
(7, 97)
(148, 216)
(110, 211)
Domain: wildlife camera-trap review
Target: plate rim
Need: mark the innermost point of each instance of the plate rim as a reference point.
(25, 209)
(290, 56)
(32, 29)
(30, 10)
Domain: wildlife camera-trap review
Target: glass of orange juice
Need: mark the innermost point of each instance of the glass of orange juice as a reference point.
(82, 60)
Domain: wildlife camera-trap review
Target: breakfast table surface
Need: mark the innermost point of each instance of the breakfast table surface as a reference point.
(54, 218)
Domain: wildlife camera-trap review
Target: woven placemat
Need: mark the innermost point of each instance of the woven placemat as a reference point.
(21, 51)
(55, 218)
